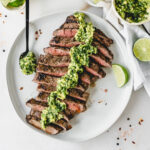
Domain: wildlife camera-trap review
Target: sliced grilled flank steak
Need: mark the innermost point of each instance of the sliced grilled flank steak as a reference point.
(43, 78)
(50, 129)
(40, 105)
(65, 32)
(72, 92)
(69, 33)
(104, 50)
(99, 57)
(60, 51)
(54, 71)
(55, 51)
(101, 60)
(64, 42)
(93, 69)
(62, 122)
(69, 26)
(71, 19)
(54, 61)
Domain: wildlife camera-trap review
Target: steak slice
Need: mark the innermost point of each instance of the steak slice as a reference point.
(54, 61)
(69, 26)
(64, 42)
(101, 60)
(65, 32)
(54, 71)
(50, 129)
(55, 51)
(71, 19)
(43, 78)
(104, 50)
(62, 122)
(60, 51)
(40, 105)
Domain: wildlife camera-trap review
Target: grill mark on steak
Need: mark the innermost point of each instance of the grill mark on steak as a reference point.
(43, 78)
(50, 129)
(69, 26)
(104, 50)
(40, 105)
(54, 71)
(65, 32)
(64, 42)
(55, 51)
(62, 122)
(54, 61)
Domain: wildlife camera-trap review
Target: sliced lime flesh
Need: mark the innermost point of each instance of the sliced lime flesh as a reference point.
(141, 49)
(12, 3)
(121, 74)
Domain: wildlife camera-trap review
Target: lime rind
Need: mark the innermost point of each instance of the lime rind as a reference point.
(141, 49)
(12, 3)
(121, 74)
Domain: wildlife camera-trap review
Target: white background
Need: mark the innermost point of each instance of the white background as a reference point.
(14, 135)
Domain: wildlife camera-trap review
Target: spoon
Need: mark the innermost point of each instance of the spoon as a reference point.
(27, 31)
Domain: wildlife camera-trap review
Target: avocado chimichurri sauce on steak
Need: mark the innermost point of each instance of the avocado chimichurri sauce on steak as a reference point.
(73, 62)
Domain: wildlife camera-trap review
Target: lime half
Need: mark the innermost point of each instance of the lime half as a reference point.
(121, 74)
(141, 49)
(12, 3)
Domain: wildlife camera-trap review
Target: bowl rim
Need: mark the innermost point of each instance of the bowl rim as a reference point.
(126, 22)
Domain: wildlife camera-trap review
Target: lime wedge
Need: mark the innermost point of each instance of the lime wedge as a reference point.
(141, 49)
(121, 74)
(12, 3)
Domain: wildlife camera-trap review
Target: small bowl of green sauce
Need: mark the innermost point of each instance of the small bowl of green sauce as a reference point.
(132, 12)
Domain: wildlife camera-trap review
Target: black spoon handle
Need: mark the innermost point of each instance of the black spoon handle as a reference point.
(27, 25)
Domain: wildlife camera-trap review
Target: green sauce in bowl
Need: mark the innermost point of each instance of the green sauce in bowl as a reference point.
(133, 11)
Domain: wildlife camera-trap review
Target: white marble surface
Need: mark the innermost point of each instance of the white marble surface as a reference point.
(14, 135)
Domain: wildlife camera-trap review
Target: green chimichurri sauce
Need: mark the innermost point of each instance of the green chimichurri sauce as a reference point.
(28, 64)
(132, 10)
(79, 58)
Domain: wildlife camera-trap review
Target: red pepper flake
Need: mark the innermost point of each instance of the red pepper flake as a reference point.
(22, 13)
(36, 32)
(21, 88)
(36, 38)
(140, 121)
(133, 142)
(106, 90)
(119, 129)
(0, 15)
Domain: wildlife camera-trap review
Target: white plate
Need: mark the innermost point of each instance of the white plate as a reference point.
(99, 116)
